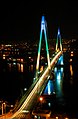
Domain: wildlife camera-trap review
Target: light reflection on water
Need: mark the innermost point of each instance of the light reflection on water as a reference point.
(58, 82)
(55, 85)
(16, 75)
(49, 88)
(64, 89)
(65, 85)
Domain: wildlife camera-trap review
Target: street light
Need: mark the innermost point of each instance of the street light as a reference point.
(25, 89)
(3, 108)
(56, 117)
(41, 100)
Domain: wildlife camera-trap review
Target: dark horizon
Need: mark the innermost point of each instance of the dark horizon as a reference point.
(21, 20)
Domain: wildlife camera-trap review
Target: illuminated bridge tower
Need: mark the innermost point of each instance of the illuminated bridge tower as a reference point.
(58, 41)
(43, 30)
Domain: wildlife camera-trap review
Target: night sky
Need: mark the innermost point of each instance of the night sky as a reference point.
(21, 20)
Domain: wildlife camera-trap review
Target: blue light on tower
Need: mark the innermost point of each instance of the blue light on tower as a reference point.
(43, 23)
(43, 19)
(58, 41)
(58, 31)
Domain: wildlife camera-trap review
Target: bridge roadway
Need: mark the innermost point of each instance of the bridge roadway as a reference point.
(33, 94)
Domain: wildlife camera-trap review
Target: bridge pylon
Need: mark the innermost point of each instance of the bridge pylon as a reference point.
(43, 30)
(58, 41)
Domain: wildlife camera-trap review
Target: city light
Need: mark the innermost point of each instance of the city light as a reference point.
(35, 89)
(41, 99)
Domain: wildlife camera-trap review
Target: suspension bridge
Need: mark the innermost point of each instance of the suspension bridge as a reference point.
(28, 100)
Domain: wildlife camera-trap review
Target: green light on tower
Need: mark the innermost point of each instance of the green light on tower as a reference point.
(43, 28)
